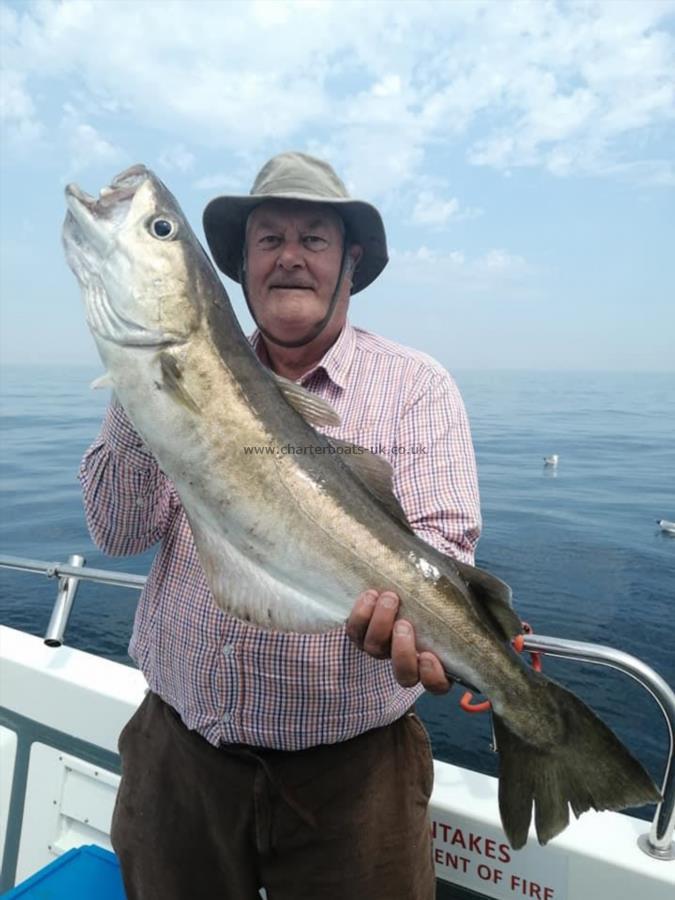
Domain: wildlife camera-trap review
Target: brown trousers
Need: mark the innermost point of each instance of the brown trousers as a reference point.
(342, 821)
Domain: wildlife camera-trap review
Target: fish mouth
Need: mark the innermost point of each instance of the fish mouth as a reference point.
(121, 189)
(91, 221)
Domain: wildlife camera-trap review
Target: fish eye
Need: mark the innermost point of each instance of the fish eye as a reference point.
(162, 228)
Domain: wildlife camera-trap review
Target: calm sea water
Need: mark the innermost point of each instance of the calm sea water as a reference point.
(579, 544)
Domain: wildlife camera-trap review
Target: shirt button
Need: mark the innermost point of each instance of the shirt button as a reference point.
(226, 717)
(227, 649)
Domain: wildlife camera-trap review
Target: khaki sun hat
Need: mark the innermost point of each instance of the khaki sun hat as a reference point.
(296, 176)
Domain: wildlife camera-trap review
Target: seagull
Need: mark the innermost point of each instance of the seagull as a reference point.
(665, 525)
(551, 460)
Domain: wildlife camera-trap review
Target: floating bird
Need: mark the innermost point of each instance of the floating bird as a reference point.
(665, 525)
(551, 460)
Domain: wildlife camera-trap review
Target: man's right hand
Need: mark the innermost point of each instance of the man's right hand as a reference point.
(372, 625)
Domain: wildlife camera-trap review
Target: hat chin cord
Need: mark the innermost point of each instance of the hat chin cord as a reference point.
(316, 330)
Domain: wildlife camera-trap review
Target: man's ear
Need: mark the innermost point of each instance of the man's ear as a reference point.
(355, 254)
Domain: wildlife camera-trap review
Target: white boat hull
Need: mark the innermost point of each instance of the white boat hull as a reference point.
(61, 711)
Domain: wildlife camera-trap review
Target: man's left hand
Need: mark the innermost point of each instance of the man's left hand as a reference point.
(372, 625)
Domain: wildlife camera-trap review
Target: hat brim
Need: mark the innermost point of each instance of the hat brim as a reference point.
(225, 218)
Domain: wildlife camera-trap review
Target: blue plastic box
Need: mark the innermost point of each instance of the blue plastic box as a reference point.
(85, 873)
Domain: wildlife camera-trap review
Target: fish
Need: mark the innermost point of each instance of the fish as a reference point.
(288, 540)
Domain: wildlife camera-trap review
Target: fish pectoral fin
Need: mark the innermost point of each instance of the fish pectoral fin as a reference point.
(313, 409)
(493, 598)
(103, 381)
(376, 473)
(172, 381)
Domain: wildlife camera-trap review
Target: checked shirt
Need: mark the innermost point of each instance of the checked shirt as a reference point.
(229, 680)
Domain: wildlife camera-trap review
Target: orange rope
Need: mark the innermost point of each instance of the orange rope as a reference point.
(518, 643)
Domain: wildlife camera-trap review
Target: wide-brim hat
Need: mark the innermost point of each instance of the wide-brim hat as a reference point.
(296, 176)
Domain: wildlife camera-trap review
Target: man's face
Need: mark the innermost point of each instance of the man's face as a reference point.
(294, 251)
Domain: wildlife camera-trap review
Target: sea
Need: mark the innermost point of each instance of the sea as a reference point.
(578, 543)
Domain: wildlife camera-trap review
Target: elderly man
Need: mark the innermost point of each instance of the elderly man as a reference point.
(286, 761)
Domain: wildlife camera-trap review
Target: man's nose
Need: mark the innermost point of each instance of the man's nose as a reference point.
(291, 255)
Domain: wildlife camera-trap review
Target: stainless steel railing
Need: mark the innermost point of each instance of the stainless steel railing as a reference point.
(658, 843)
(70, 575)
(73, 570)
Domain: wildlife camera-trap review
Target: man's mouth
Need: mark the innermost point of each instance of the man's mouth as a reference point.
(290, 287)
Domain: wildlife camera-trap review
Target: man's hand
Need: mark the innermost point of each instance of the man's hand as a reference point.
(373, 627)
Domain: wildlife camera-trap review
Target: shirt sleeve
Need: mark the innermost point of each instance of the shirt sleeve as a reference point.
(435, 469)
(128, 501)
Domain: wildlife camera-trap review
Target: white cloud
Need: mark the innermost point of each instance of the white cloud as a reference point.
(14, 100)
(500, 260)
(177, 158)
(270, 13)
(648, 172)
(433, 211)
(219, 181)
(389, 86)
(18, 119)
(90, 148)
(496, 272)
(554, 85)
(590, 76)
(86, 145)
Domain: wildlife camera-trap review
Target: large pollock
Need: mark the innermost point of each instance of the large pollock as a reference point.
(197, 395)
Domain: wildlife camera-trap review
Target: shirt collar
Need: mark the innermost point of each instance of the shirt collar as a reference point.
(335, 363)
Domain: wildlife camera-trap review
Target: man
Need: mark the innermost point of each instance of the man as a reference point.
(285, 761)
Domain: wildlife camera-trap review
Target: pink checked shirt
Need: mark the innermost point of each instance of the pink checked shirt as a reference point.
(229, 680)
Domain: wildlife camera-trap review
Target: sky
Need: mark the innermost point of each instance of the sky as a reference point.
(522, 156)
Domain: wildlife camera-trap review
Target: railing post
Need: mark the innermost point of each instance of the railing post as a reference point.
(68, 585)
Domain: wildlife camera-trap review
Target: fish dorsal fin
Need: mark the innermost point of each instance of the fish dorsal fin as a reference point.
(375, 472)
(312, 408)
(493, 597)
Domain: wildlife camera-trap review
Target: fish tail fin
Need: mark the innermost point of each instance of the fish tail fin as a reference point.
(588, 768)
